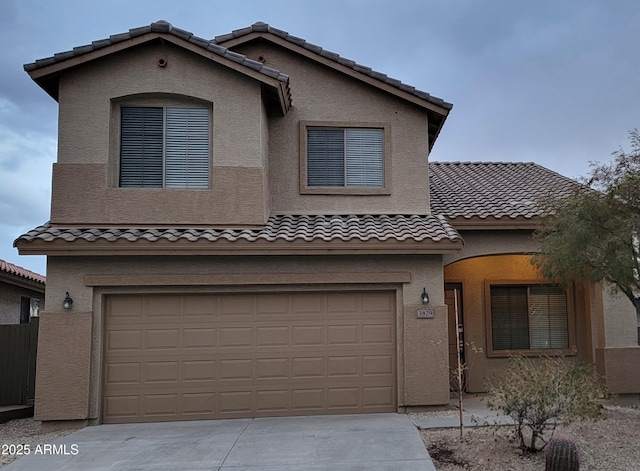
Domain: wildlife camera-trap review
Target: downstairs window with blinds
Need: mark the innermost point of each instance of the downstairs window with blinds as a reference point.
(164, 147)
(528, 317)
(345, 157)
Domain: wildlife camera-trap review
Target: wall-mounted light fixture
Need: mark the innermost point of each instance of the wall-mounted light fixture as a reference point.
(425, 296)
(67, 302)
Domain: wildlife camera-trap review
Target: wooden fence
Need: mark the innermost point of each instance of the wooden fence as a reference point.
(18, 349)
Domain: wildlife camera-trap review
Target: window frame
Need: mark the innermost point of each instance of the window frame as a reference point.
(345, 190)
(571, 347)
(158, 101)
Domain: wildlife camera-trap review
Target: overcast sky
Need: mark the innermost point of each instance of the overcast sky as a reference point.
(550, 81)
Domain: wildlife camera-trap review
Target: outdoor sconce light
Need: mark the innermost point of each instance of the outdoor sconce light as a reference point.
(425, 296)
(67, 302)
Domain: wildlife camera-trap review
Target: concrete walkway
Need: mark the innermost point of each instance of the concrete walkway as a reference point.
(373, 442)
(475, 413)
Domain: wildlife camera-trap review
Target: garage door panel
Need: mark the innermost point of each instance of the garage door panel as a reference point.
(305, 305)
(343, 366)
(340, 304)
(273, 368)
(378, 304)
(378, 334)
(200, 306)
(272, 336)
(162, 339)
(123, 373)
(273, 306)
(199, 370)
(162, 306)
(374, 397)
(124, 340)
(198, 404)
(223, 356)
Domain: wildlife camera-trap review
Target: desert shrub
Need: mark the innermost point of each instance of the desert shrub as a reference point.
(540, 393)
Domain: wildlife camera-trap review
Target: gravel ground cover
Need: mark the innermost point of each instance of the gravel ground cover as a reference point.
(612, 444)
(24, 432)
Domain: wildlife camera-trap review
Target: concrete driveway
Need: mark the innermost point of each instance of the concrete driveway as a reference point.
(347, 442)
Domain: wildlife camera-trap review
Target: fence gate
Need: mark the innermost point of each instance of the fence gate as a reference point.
(18, 349)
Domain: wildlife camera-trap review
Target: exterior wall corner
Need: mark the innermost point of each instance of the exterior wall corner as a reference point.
(63, 368)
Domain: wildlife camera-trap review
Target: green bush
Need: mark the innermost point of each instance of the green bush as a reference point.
(542, 392)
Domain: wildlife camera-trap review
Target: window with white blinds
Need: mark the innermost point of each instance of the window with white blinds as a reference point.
(345, 157)
(164, 147)
(533, 317)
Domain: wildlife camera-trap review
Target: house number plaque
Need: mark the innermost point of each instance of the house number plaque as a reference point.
(425, 314)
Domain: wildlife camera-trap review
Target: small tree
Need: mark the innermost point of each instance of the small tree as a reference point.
(593, 233)
(539, 393)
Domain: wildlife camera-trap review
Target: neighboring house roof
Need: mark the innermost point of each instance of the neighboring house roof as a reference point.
(438, 109)
(478, 194)
(307, 234)
(45, 71)
(16, 271)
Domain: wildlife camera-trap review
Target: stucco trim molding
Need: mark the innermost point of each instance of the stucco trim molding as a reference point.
(247, 279)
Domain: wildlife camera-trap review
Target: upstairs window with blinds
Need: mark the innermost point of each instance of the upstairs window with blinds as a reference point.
(530, 317)
(345, 157)
(164, 147)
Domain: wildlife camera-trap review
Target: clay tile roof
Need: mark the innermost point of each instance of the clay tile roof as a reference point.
(15, 270)
(309, 228)
(493, 189)
(165, 28)
(261, 27)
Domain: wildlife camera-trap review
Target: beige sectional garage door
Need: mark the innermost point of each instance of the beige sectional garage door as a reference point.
(183, 357)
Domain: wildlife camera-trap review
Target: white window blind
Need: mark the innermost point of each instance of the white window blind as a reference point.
(549, 327)
(365, 157)
(187, 148)
(164, 147)
(350, 157)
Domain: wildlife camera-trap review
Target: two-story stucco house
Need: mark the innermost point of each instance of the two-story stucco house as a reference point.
(247, 228)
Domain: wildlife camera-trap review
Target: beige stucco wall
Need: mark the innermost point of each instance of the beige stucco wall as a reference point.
(417, 354)
(620, 323)
(323, 94)
(89, 113)
(473, 273)
(492, 242)
(63, 365)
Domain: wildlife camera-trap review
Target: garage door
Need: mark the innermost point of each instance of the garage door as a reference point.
(171, 357)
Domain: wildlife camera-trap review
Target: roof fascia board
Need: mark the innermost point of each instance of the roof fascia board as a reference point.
(336, 66)
(338, 247)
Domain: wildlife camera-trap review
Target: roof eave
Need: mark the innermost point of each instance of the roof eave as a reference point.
(17, 280)
(223, 247)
